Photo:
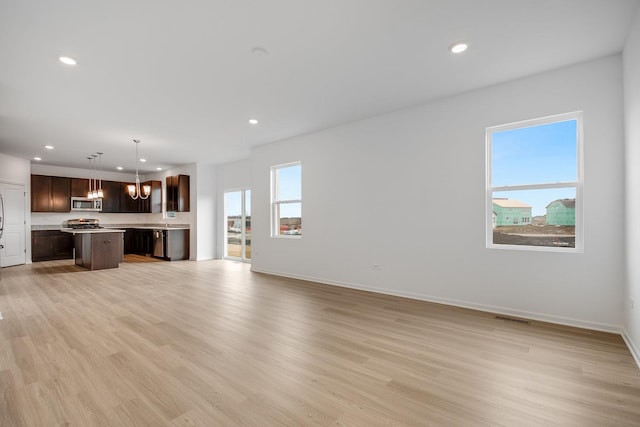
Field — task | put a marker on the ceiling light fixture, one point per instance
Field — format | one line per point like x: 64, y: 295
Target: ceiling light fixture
x: 37, y: 159
x: 90, y: 192
x: 66, y: 60
x: 253, y: 121
x: 458, y: 47
x: 94, y: 193
x: 259, y: 51
x: 98, y: 181
x: 95, y: 182
x: 134, y: 189
x: 49, y: 147
x: 158, y: 169
x: 119, y: 168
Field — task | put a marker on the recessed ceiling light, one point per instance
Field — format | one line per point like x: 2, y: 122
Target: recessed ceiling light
x: 67, y: 60
x: 49, y: 147
x: 119, y: 168
x: 458, y: 47
x: 259, y: 51
x: 158, y: 169
x: 253, y: 121
x: 37, y: 159
x: 143, y: 160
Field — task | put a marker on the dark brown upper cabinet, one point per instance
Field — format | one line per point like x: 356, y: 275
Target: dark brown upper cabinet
x: 153, y: 204
x: 53, y: 194
x: 113, y: 193
x: 178, y: 189
x: 50, y: 193
x: 117, y: 200
x: 79, y: 187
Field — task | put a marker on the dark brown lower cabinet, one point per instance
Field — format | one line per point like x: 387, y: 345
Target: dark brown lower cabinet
x: 48, y: 245
x: 138, y: 241
x: 97, y: 251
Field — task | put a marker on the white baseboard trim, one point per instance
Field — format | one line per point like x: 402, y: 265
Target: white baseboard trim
x: 565, y: 321
x: 635, y: 351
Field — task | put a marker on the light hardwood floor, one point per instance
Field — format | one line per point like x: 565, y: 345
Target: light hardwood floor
x: 212, y: 344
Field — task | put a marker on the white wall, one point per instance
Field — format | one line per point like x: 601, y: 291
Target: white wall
x: 632, y: 163
x: 14, y: 170
x: 230, y: 177
x: 206, y: 191
x: 380, y: 191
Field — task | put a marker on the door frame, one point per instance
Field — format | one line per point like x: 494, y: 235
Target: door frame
x: 23, y: 229
x: 243, y: 219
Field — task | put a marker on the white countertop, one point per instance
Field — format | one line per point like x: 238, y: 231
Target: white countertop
x: 147, y: 226
x: 158, y: 227
x: 91, y: 231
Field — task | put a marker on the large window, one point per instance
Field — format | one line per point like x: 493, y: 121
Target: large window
x: 534, y: 184
x: 286, y: 200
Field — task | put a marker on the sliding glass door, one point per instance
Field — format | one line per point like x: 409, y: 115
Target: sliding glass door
x: 237, y: 214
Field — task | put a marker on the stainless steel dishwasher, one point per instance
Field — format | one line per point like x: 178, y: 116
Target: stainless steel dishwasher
x: 159, y: 238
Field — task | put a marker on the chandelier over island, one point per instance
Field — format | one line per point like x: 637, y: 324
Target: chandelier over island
x: 134, y: 189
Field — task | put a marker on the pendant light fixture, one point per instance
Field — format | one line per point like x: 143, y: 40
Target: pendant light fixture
x: 99, y: 177
x: 93, y: 176
x: 90, y: 193
x: 95, y: 181
x: 134, y: 189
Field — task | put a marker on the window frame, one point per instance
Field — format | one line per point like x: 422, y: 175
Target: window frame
x: 276, y: 203
x: 578, y: 184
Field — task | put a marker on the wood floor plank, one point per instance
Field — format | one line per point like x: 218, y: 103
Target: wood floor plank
x: 211, y: 343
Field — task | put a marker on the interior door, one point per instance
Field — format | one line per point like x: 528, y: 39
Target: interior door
x: 13, y: 221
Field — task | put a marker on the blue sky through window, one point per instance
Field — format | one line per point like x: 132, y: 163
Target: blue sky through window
x: 540, y: 154
x: 290, y: 188
x: 233, y: 203
x: 290, y: 182
x: 535, y: 155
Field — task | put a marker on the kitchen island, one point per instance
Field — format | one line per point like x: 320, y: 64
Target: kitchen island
x: 164, y: 241
x: 99, y: 248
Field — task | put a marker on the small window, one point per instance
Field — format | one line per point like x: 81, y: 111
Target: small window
x: 534, y: 184
x: 286, y: 200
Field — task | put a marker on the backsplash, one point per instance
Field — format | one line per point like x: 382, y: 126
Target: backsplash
x: 42, y: 218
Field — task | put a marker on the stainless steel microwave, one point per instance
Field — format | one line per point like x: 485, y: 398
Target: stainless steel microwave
x: 86, y: 204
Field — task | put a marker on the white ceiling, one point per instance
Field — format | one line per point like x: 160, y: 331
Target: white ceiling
x: 180, y: 75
